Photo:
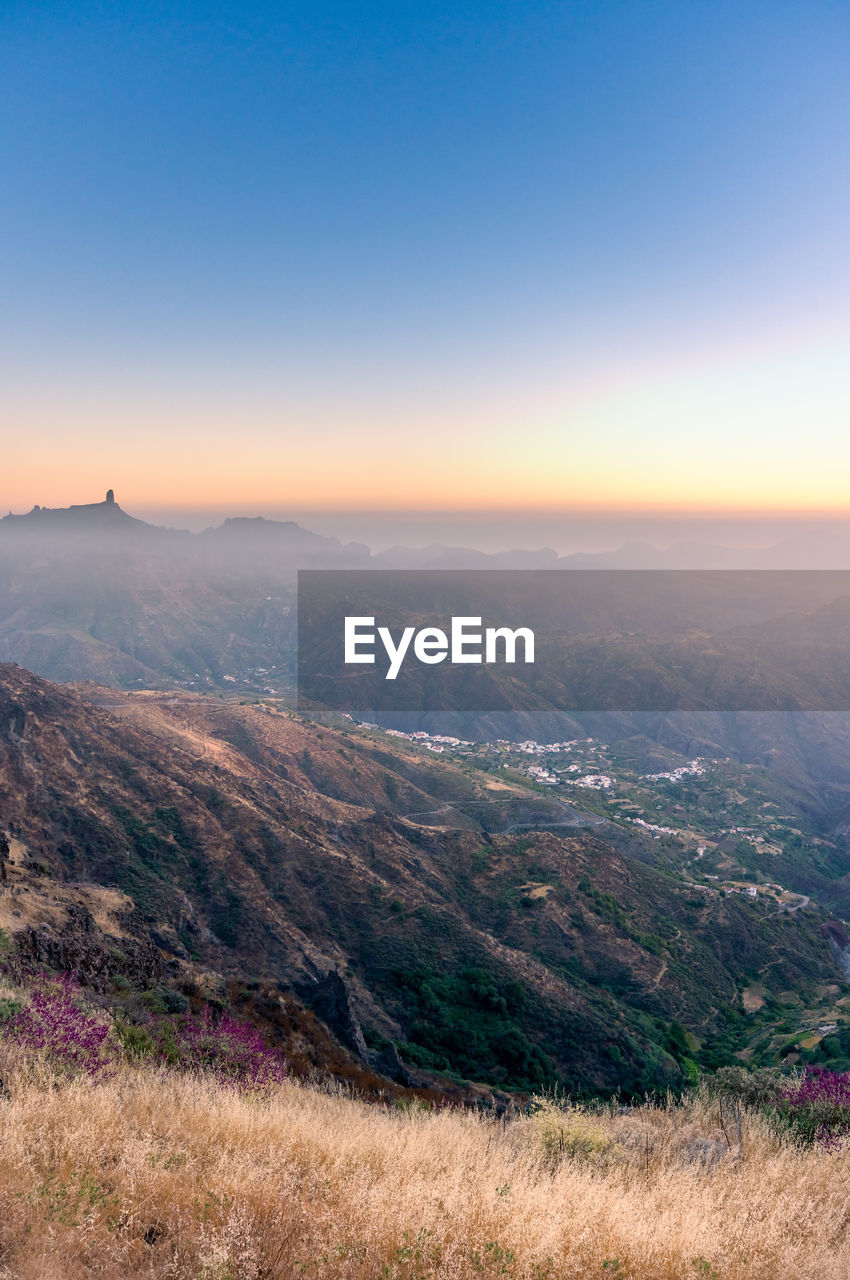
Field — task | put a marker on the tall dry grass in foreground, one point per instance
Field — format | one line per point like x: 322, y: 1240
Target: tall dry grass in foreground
x: 155, y: 1175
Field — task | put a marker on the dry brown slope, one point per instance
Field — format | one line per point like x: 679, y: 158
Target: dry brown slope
x: 264, y: 848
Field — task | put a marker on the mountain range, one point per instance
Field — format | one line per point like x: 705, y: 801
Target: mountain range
x: 825, y: 548
x: 90, y: 592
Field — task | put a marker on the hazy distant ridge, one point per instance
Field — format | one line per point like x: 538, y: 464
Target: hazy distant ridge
x: 289, y: 541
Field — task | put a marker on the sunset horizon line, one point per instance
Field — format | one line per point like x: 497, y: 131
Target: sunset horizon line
x: 566, y: 510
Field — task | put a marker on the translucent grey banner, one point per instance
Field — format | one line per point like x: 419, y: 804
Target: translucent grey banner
x: 574, y: 640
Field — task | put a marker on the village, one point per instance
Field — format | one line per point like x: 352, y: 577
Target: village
x: 691, y: 811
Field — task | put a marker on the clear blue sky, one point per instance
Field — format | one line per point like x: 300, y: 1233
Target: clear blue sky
x: 345, y: 251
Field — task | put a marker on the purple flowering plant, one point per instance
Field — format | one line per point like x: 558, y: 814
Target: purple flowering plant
x: 816, y: 1107
x: 233, y: 1051
x: 53, y: 1024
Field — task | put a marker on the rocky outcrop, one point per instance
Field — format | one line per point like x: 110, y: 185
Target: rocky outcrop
x: 388, y: 1063
x: 13, y: 719
x: 839, y: 945
x: 330, y: 999
x: 79, y: 947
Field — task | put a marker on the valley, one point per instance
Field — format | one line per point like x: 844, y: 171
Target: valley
x: 257, y: 850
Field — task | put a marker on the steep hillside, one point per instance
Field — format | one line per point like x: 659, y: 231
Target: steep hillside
x: 261, y: 848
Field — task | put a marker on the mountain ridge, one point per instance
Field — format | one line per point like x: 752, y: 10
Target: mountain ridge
x: 809, y: 549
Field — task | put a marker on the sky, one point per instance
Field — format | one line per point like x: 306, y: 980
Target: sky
x: 542, y: 256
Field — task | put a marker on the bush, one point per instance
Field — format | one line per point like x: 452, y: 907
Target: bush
x: 137, y: 1042
x: 9, y: 1007
x: 233, y: 1051
x: 562, y: 1130
x: 54, y: 1025
x: 816, y: 1108
x: 761, y: 1089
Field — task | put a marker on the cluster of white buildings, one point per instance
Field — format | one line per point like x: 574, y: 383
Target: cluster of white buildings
x: 433, y: 741
x: 694, y: 768
x: 539, y: 774
x: 745, y: 833
x: 532, y: 748
x: 654, y: 828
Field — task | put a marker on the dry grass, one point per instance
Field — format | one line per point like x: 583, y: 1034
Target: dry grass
x: 148, y: 1175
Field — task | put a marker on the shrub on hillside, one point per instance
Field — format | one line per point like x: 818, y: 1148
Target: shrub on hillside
x: 560, y: 1129
x: 233, y: 1051
x: 761, y: 1089
x: 816, y: 1108
x: 54, y: 1025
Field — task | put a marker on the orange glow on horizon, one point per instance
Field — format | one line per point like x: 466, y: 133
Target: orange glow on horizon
x: 742, y: 433
x: 323, y: 497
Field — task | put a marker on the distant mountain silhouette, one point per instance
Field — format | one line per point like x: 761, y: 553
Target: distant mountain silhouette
x: 437, y: 556
x: 90, y: 517
x: 828, y: 548
x: 237, y: 537
x: 256, y: 533
x: 90, y: 592
x: 255, y: 536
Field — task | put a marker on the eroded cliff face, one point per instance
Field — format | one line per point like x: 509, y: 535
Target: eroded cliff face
x: 839, y: 944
